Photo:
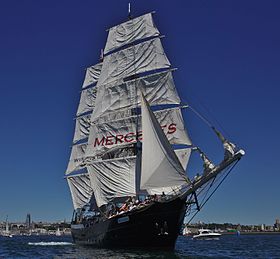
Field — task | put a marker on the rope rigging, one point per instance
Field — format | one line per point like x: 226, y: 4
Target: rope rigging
x: 211, y: 184
x: 207, y: 110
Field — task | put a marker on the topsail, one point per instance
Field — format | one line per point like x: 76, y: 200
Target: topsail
x: 159, y: 89
x: 136, y: 29
x: 142, y: 57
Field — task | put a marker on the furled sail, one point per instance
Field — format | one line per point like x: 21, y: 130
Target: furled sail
x: 92, y: 75
x: 112, y: 178
x: 158, y: 89
x: 107, y: 135
x: 80, y: 189
x: 160, y: 165
x: 139, y: 58
x: 136, y: 29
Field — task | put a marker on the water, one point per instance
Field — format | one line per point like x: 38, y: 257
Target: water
x: 229, y: 246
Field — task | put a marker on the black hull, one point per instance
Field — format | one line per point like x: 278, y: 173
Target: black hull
x: 157, y: 225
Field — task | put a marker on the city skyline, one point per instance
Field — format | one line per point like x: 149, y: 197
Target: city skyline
x: 227, y: 55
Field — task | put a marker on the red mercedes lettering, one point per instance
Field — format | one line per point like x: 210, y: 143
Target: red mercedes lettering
x: 129, y: 137
x: 119, y: 138
x: 97, y: 142
x: 109, y: 140
x: 171, y: 128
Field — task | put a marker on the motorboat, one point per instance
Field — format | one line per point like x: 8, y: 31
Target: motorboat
x: 206, y: 234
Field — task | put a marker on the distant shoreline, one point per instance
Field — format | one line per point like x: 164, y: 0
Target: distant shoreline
x: 252, y: 233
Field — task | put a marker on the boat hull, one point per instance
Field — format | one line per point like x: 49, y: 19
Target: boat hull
x: 157, y: 225
x: 207, y: 237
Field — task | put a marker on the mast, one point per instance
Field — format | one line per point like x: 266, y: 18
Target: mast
x: 7, y: 225
x: 129, y: 12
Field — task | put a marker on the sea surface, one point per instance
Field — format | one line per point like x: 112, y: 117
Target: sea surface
x: 229, y: 246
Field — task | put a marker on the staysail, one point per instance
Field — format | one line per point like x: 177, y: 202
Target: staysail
x: 160, y: 165
x: 183, y: 156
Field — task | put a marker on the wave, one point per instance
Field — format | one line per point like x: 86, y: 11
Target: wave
x: 50, y: 243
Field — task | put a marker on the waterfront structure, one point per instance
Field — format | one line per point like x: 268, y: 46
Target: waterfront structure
x: 28, y: 221
x: 277, y: 225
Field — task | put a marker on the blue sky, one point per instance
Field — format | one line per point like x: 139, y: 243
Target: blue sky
x: 227, y: 54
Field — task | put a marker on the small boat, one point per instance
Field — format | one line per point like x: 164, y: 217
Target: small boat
x: 58, y: 233
x: 206, y: 234
x: 186, y: 232
x: 7, y: 232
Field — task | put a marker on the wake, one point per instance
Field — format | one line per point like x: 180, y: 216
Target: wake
x: 49, y: 243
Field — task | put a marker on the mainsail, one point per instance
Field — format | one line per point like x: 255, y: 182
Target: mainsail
x: 105, y: 161
x: 112, y: 178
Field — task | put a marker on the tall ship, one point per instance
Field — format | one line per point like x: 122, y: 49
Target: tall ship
x: 127, y: 168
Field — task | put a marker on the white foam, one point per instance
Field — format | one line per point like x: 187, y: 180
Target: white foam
x: 50, y: 243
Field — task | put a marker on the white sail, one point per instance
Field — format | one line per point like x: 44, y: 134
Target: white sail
x: 158, y: 89
x: 138, y: 28
x: 87, y: 100
x: 172, y: 124
x: 80, y: 189
x: 160, y: 165
x: 77, y: 158
x: 183, y: 156
x: 112, y: 178
x: 82, y: 128
x: 92, y: 75
x: 7, y: 227
x: 143, y: 57
x: 114, y: 116
x: 107, y: 135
